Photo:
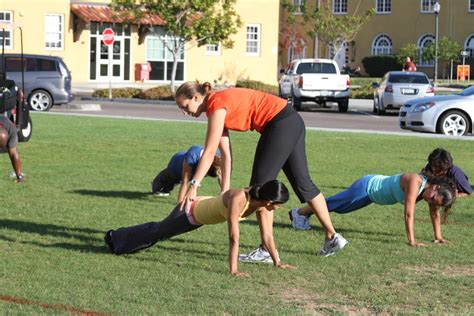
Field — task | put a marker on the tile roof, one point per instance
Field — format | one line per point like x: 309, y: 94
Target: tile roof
x: 103, y: 13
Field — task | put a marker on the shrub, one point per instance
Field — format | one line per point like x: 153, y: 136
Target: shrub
x: 157, y: 93
x: 363, y: 92
x: 257, y: 85
x: 377, y: 66
x: 120, y: 93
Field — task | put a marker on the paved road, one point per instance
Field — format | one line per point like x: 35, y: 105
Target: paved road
x: 359, y: 118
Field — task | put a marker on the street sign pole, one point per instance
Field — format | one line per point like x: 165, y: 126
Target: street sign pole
x: 108, y: 39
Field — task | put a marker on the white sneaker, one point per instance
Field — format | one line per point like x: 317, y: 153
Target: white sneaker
x: 161, y: 194
x: 299, y: 222
x: 258, y: 255
x: 336, y: 243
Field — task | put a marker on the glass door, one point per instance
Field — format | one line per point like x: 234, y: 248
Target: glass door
x: 116, y: 52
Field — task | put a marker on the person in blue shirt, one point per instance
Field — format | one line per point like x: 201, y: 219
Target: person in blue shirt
x: 407, y: 189
x: 181, y: 169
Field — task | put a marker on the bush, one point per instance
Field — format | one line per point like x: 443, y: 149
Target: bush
x: 120, y: 93
x: 377, y: 66
x: 157, y: 93
x: 364, y: 92
x: 257, y: 85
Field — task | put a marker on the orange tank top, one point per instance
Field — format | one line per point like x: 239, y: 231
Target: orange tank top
x: 247, y: 109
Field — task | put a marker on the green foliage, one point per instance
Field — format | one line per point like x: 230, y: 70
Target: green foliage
x: 257, y: 85
x: 157, y: 93
x: 377, y: 66
x: 407, y: 50
x: 363, y: 92
x: 120, y: 93
x: 448, y: 50
x: 86, y: 175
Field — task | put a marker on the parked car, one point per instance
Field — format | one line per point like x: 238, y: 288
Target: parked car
x: 449, y: 114
x: 397, y: 87
x: 47, y: 79
x: 317, y: 80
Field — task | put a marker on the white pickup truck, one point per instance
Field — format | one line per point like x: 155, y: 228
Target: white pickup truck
x: 317, y: 80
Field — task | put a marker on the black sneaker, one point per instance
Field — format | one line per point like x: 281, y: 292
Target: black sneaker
x: 108, y: 240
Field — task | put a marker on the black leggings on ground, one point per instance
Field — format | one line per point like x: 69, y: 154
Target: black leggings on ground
x: 282, y: 146
x: 134, y: 238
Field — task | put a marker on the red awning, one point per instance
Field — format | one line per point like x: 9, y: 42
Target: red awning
x: 103, y: 13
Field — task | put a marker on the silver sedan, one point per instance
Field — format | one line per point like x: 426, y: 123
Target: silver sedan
x: 397, y: 87
x: 450, y: 114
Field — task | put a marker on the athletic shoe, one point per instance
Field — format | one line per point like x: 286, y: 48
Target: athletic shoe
x: 299, y: 222
x: 258, y: 255
x: 108, y: 240
x: 161, y: 194
x: 336, y: 243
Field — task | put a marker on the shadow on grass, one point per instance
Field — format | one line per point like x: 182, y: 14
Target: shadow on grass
x: 131, y: 195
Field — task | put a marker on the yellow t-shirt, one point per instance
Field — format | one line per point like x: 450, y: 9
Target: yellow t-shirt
x: 212, y: 210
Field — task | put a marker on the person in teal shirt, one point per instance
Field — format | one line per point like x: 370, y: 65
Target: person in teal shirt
x: 406, y: 189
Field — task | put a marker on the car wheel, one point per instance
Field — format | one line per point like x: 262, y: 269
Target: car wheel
x: 379, y: 110
x: 296, y: 102
x: 343, y: 105
x: 374, y: 109
x: 453, y: 123
x: 40, y: 100
x: 24, y: 135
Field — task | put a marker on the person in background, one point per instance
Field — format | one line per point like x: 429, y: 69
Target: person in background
x: 181, y: 169
x: 409, y: 65
x: 8, y: 143
x: 230, y: 207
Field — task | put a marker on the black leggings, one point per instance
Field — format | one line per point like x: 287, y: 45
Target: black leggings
x: 134, y: 238
x: 282, y: 146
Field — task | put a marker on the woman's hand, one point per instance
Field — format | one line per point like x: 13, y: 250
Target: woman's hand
x: 441, y: 241
x: 285, y: 266
x: 240, y: 274
x: 189, y: 197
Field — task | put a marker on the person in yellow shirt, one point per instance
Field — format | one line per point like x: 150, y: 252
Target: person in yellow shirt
x: 231, y: 207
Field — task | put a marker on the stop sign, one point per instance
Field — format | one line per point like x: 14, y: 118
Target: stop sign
x: 108, y: 36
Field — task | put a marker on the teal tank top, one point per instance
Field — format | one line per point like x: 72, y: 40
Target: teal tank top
x: 386, y: 190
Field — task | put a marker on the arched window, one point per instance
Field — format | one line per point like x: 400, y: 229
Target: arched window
x: 469, y: 45
x: 382, y: 45
x: 425, y: 41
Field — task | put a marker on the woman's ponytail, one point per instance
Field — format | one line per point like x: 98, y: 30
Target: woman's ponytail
x: 274, y: 191
x: 188, y: 89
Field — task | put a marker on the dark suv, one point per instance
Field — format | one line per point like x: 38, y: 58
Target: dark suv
x: 47, y: 79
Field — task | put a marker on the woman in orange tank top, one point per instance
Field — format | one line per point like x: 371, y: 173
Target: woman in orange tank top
x: 281, y: 146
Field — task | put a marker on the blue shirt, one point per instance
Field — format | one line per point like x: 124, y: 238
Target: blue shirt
x: 191, y: 156
x: 386, y: 190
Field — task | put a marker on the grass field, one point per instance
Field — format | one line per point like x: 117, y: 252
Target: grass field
x: 88, y: 175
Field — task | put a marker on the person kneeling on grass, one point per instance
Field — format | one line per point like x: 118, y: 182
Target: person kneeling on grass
x: 181, y: 169
x: 232, y: 206
x: 407, y: 189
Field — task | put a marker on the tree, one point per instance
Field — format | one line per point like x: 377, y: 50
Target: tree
x: 294, y: 29
x: 187, y: 22
x: 407, y: 50
x: 448, y: 51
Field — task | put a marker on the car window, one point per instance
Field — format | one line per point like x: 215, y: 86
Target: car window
x: 408, y: 79
x: 13, y: 64
x: 46, y: 64
x: 316, y: 68
x: 467, y: 92
x: 63, y: 68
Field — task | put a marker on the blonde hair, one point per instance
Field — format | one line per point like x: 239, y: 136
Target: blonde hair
x: 188, y: 89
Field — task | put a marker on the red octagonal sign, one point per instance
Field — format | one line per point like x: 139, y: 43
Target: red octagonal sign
x: 108, y: 36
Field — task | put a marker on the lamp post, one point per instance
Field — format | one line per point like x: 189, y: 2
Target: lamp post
x: 436, y: 9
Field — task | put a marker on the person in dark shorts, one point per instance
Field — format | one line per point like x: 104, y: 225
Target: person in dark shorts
x: 8, y: 143
x: 281, y: 147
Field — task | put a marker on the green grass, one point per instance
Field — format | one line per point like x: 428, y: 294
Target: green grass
x: 87, y: 175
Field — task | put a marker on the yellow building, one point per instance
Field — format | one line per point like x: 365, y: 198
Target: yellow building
x: 395, y: 23
x: 73, y: 30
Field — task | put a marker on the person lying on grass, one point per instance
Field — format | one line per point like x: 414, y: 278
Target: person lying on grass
x: 231, y: 206
x: 407, y: 189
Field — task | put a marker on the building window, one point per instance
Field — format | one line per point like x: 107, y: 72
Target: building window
x: 213, y: 50
x: 297, y: 5
x: 6, y: 17
x: 469, y: 46
x: 471, y: 6
x: 54, y: 31
x: 339, y: 6
x: 382, y: 45
x: 384, y: 6
x: 427, y: 6
x: 253, y: 40
x: 161, y: 59
x: 424, y: 42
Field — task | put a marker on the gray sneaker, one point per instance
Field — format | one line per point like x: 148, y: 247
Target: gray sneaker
x: 299, y: 222
x: 258, y: 255
x: 336, y: 243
